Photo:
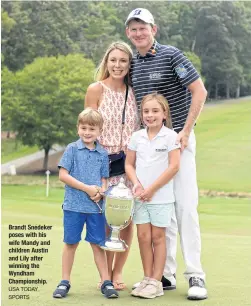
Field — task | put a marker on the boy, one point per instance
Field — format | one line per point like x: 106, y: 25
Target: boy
x: 84, y: 168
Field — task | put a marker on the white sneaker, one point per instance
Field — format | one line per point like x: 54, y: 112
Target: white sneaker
x: 152, y: 290
x: 139, y: 286
x: 197, y: 290
x: 136, y: 285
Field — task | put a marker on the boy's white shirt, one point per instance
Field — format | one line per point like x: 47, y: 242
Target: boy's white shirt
x: 152, y: 160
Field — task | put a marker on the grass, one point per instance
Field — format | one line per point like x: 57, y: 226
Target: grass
x: 223, y: 163
x: 225, y: 227
x: 224, y: 147
x: 12, y: 149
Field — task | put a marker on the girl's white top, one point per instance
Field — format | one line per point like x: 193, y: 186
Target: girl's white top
x: 152, y: 160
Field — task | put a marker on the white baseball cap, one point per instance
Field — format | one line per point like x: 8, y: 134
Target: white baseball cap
x: 142, y: 14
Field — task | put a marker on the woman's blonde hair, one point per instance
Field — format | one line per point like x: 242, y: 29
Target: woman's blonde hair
x: 90, y: 116
x: 162, y: 102
x: 102, y: 71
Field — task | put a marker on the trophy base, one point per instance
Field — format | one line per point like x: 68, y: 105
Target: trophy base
x: 114, y: 246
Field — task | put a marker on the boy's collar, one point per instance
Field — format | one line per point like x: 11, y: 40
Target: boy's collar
x: 81, y: 145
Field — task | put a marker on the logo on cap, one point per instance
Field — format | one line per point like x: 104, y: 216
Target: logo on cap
x: 136, y: 12
x: 142, y: 14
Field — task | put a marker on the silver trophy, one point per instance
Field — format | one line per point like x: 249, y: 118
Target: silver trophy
x: 119, y: 205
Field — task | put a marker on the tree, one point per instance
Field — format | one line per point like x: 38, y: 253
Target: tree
x: 217, y: 46
x: 48, y: 95
x: 7, y: 95
x: 41, y: 29
x: 194, y: 59
x: 95, y: 27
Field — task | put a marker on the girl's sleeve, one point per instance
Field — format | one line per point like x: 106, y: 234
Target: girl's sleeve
x: 171, y: 139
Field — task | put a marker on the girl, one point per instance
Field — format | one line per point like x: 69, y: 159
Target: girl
x: 107, y: 95
x: 152, y: 161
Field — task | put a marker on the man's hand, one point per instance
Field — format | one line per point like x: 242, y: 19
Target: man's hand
x: 182, y: 138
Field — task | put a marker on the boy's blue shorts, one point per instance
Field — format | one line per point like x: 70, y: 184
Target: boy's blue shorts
x: 74, y: 223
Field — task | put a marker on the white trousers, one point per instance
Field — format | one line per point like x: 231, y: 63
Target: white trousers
x: 185, y: 218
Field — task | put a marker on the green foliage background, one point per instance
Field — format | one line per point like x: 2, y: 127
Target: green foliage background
x: 50, y: 50
x: 218, y: 32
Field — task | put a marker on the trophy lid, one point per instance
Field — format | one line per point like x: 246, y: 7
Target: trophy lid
x: 120, y: 191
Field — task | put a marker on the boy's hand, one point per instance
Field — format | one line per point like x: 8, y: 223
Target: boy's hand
x: 102, y: 191
x: 96, y: 198
x: 92, y: 190
x: 146, y: 195
x: 137, y: 190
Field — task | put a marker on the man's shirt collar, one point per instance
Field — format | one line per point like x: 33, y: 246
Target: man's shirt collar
x: 152, y: 51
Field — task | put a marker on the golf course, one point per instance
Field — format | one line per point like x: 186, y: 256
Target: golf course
x: 224, y: 176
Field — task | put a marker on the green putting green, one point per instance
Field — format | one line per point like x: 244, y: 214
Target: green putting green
x: 225, y: 227
x: 224, y: 147
x: 223, y: 164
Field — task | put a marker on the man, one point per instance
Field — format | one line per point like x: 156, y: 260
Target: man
x: 165, y: 69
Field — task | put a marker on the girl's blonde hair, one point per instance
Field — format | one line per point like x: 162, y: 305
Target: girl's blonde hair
x: 162, y: 102
x: 90, y: 116
x: 102, y: 71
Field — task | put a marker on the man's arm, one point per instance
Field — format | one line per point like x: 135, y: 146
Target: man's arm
x: 199, y: 94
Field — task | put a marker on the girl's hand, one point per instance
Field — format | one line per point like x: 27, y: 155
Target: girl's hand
x: 147, y: 195
x: 137, y: 190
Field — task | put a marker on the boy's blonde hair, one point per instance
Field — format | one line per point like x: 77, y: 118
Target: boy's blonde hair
x: 162, y: 102
x: 90, y: 116
x: 102, y: 72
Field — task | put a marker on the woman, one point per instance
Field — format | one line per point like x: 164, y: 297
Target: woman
x: 107, y: 95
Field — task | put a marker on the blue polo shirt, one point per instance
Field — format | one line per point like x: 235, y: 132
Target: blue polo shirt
x: 87, y: 166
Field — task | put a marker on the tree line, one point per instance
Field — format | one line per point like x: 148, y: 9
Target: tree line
x: 50, y: 50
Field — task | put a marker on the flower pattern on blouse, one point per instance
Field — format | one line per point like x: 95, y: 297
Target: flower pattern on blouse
x: 112, y: 138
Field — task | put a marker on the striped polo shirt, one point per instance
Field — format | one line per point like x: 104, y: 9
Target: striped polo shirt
x: 164, y: 69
